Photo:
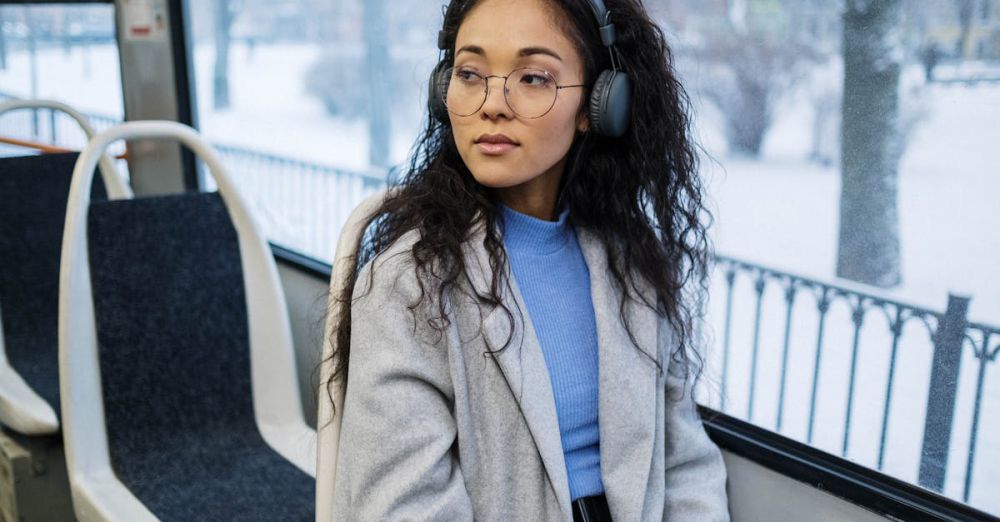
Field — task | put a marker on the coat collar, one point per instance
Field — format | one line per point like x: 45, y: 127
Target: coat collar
x: 628, y: 378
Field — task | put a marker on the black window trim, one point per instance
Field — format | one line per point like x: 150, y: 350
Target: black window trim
x: 301, y: 262
x: 181, y: 49
x: 860, y: 485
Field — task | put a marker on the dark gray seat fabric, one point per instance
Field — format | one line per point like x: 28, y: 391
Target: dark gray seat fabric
x: 33, y: 195
x: 175, y: 363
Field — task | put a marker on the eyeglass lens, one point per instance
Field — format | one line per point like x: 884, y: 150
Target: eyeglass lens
x: 530, y: 93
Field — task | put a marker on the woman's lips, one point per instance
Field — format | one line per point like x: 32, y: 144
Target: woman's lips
x: 495, y: 149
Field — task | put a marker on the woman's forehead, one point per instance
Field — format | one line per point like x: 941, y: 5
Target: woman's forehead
x: 508, y: 30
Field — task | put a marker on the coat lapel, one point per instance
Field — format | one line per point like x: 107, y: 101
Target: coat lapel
x: 523, y: 367
x: 628, y: 386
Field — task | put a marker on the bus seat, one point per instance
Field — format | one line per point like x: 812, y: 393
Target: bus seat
x: 332, y: 402
x: 33, y: 192
x: 179, y: 391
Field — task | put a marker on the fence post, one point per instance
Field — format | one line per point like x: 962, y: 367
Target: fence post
x: 948, y: 340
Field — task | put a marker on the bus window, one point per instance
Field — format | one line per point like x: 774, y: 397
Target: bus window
x: 853, y: 304
x: 851, y: 162
x: 65, y: 53
x: 286, y: 91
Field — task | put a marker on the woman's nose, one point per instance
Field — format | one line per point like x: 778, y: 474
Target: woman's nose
x: 496, y: 102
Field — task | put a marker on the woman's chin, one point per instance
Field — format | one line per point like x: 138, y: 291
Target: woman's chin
x: 497, y: 178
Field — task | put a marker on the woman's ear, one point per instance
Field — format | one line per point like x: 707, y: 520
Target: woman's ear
x: 583, y: 122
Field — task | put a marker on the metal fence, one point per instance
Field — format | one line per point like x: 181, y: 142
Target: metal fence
x: 50, y: 127
x: 949, y: 332
x: 300, y: 205
x: 54, y: 128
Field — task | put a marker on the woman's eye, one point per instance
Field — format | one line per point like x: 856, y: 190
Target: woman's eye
x: 467, y: 76
x: 535, y: 80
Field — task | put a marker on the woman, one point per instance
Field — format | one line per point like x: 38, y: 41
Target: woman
x: 519, y: 345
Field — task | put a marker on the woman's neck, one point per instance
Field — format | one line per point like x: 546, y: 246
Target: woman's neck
x: 537, y: 197
x: 535, y: 207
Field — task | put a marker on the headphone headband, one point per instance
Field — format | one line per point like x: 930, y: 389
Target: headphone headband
x: 601, y: 13
x: 607, y: 29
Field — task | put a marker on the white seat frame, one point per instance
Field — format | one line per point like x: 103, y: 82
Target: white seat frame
x: 98, y: 494
x: 328, y: 425
x: 21, y: 408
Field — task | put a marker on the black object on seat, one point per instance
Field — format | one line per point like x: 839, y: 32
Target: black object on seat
x: 33, y: 195
x: 171, y: 319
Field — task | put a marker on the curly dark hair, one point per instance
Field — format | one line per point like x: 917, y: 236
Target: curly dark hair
x: 640, y: 193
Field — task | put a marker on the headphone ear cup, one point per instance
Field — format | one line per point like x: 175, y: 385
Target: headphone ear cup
x: 597, y: 98
x: 435, y: 103
x: 610, y: 103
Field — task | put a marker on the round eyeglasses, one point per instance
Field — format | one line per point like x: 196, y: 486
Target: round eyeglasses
x: 530, y: 93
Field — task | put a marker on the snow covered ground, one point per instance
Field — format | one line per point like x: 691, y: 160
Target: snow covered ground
x: 780, y: 211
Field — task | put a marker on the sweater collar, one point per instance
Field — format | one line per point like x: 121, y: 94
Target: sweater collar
x: 524, y: 234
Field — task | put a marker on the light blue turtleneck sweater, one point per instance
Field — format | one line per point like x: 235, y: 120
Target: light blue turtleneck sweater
x: 552, y: 275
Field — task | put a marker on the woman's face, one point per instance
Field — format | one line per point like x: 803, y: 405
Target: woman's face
x: 496, y: 37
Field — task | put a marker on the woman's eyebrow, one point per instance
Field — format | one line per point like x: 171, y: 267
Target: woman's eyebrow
x: 527, y: 51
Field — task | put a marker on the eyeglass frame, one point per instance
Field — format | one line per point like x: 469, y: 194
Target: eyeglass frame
x: 486, y: 91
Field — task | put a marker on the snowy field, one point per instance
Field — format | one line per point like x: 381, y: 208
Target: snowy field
x: 780, y: 211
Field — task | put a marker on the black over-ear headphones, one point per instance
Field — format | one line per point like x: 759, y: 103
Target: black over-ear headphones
x: 610, y: 97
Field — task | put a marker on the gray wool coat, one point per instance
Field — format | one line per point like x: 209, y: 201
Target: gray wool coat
x: 434, y: 429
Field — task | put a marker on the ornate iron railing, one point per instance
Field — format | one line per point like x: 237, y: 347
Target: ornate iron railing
x: 949, y: 331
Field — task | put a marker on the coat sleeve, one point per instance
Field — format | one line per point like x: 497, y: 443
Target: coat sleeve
x: 395, y: 457
x: 695, y: 471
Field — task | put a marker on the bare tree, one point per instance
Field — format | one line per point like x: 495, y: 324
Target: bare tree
x: 224, y: 16
x: 825, y: 98
x: 871, y: 145
x: 746, y: 75
x: 3, y: 43
x: 965, y: 9
x: 749, y: 55
x: 377, y: 67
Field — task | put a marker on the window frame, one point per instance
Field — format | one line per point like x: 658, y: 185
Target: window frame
x: 187, y: 111
x: 301, y: 262
x: 855, y: 483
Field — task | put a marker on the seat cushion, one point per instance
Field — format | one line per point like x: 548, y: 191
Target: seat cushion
x: 33, y: 195
x: 175, y: 364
